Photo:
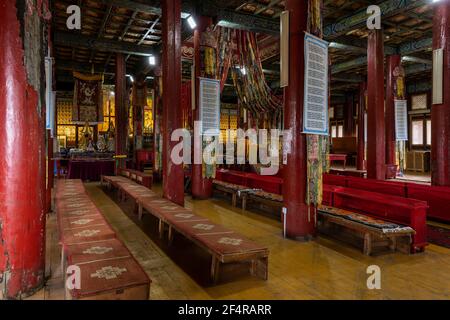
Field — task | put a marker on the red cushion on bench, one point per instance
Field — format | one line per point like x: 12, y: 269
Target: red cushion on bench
x: 107, y: 279
x: 96, y: 250
x: 438, y: 199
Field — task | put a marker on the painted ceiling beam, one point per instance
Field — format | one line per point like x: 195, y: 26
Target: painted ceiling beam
x: 348, y: 65
x: 69, y: 66
x: 388, y: 8
x: 417, y: 60
x: 416, y: 46
x: 147, y: 8
x: 418, y: 87
x: 74, y: 40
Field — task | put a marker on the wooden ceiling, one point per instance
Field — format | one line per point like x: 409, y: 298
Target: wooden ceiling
x: 134, y: 28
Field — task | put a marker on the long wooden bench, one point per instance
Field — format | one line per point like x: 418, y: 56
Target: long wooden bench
x: 224, y: 245
x: 438, y: 198
x: 395, y: 209
x: 108, y: 270
x: 375, y: 233
x: 137, y: 176
x: 228, y: 188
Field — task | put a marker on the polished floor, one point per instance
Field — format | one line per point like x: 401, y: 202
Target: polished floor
x: 321, y: 269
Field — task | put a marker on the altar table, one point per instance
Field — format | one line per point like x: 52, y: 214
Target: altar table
x: 90, y: 169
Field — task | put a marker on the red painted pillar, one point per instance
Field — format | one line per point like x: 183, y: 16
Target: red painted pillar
x: 348, y: 115
x: 298, y: 225
x: 440, y: 113
x: 157, y: 115
x: 201, y: 187
x: 173, y: 174
x: 22, y: 222
x: 121, y: 107
x: 376, y: 168
x: 50, y: 174
x: 394, y: 65
x: 360, y: 160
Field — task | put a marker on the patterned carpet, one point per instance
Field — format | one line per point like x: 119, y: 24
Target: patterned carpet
x: 439, y: 236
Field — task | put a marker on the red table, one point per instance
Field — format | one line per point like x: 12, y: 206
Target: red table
x: 339, y: 157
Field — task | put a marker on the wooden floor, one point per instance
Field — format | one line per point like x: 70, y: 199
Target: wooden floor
x: 321, y: 269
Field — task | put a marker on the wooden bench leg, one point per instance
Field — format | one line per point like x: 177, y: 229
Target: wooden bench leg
x: 140, y: 211
x: 170, y: 236
x: 393, y: 245
x: 260, y: 268
x: 367, y: 244
x: 215, y: 266
x: 234, y: 199
x: 161, y: 229
x: 244, y: 202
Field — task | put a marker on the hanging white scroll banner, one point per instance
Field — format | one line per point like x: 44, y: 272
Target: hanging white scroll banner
x: 315, y: 107
x: 401, y: 120
x: 210, y: 107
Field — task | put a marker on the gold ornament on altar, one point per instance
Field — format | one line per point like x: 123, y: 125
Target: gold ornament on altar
x: 86, y: 143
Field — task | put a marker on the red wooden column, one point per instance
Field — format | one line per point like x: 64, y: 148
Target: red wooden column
x: 22, y: 222
x: 294, y: 188
x: 348, y: 115
x: 376, y: 168
x: 394, y: 63
x: 173, y: 175
x: 440, y: 113
x: 120, y: 104
x: 360, y: 160
x: 157, y: 115
x: 121, y: 107
x: 201, y: 187
x: 50, y: 169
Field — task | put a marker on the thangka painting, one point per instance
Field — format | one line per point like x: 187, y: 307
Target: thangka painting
x: 87, y: 99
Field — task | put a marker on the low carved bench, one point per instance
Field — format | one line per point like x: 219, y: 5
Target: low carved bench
x: 108, y: 270
x: 224, y: 245
x: 374, y: 232
x: 229, y: 188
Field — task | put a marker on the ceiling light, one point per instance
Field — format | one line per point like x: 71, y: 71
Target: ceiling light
x: 131, y: 78
x: 192, y: 22
x: 152, y: 60
x: 243, y: 71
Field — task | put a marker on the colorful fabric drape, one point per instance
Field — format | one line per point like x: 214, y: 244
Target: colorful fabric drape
x: 87, y: 99
x: 253, y: 91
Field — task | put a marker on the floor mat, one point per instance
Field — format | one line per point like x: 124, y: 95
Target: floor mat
x: 439, y: 236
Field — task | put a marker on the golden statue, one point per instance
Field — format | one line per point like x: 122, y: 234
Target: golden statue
x: 86, y: 138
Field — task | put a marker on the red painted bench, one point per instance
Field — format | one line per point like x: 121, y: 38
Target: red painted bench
x: 266, y: 183
x: 438, y: 199
x: 399, y: 210
x: 385, y: 187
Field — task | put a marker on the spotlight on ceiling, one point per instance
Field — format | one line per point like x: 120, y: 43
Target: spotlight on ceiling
x: 192, y: 22
x: 131, y: 78
x: 243, y: 71
x: 434, y: 1
x: 152, y: 60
